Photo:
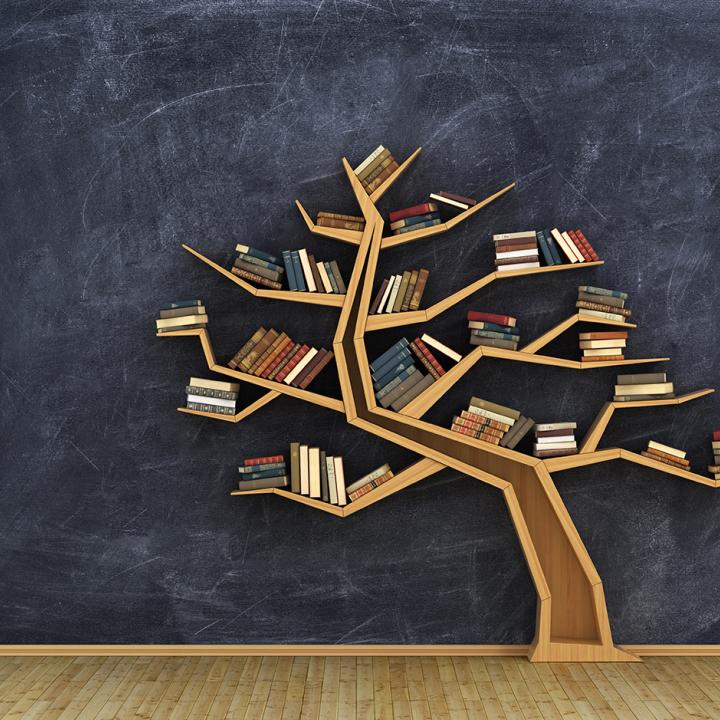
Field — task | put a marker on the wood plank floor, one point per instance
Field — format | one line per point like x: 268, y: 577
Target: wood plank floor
x: 410, y: 688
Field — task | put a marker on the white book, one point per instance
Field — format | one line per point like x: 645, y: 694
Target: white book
x: 573, y: 247
x: 440, y: 198
x: 444, y: 349
x: 393, y: 294
x: 304, y: 471
x: 667, y: 449
x: 604, y: 315
x: 368, y: 159
x: 516, y: 235
x: 214, y: 384
x: 314, y: 472
x: 205, y: 400
x: 324, y: 277
x: 644, y: 389
x: 555, y: 446
x: 386, y: 294
x: 595, y: 344
x: 515, y: 253
x: 182, y: 320
x: 332, y: 488
x: 560, y: 240
x: 556, y: 426
x: 555, y: 438
x: 340, y: 481
x: 602, y: 352
x: 517, y: 266
x: 311, y: 353
x: 307, y: 272
x: 475, y: 410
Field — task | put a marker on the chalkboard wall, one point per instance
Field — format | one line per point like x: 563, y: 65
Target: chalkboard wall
x: 128, y: 128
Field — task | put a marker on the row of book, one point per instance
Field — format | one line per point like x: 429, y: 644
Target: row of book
x: 181, y: 315
x: 340, y: 221
x: 275, y: 356
x: 643, y: 386
x: 521, y: 250
x: 493, y: 423
x: 396, y: 377
x: 714, y: 469
x: 261, y: 473
x: 427, y: 214
x: 400, y: 293
x: 666, y: 454
x: 377, y: 167
x: 603, y: 303
x: 555, y: 439
x: 212, y: 396
x: 603, y: 346
x: 493, y: 330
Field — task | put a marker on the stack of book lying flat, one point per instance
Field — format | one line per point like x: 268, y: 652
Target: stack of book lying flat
x: 369, y: 482
x: 375, y: 169
x: 399, y: 293
x: 493, y: 423
x: 275, y: 356
x: 493, y: 330
x: 666, y: 454
x: 603, y: 346
x: 456, y: 202
x: 602, y: 303
x: 555, y: 439
x: 181, y: 315
x: 258, y: 266
x: 416, y: 217
x: 305, y: 274
x: 340, y: 221
x: 714, y: 469
x: 643, y: 386
x: 212, y: 396
x: 568, y: 246
x: 516, y: 251
x: 261, y: 473
x: 316, y: 474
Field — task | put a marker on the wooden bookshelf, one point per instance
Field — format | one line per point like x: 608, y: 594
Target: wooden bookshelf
x: 572, y: 619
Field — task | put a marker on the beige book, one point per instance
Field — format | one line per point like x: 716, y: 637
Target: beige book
x: 560, y: 240
x: 179, y: 321
x: 182, y: 312
x: 666, y: 448
x: 475, y: 410
x: 340, y: 482
x: 601, y: 314
x: 324, y: 277
x: 401, y: 292
x: 449, y: 201
x: 440, y: 347
x: 516, y: 253
x: 304, y: 471
x: 495, y: 407
x: 386, y: 294
x: 555, y: 426
x: 573, y: 247
x: 393, y: 294
x: 594, y: 344
x: 307, y: 271
x: 603, y: 352
x: 515, y: 235
x: 314, y: 472
x: 644, y: 389
x: 300, y: 366
x: 368, y: 159
x: 214, y: 384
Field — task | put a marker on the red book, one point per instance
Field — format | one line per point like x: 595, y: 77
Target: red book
x: 414, y: 210
x: 430, y: 357
x: 716, y: 435
x: 579, y: 245
x: 278, y: 359
x: 475, y: 315
x: 299, y: 355
x: 264, y: 460
x: 587, y: 245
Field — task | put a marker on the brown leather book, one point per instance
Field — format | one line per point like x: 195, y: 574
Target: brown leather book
x: 296, y: 358
x: 258, y: 270
x: 316, y: 370
x: 319, y: 355
x: 426, y: 363
x: 340, y: 224
x: 284, y: 361
x: 370, y: 169
x: 458, y: 198
x: 514, y: 260
x: 275, y: 361
x: 268, y: 351
x: 610, y: 335
x: 555, y: 453
x: 247, y: 362
x: 663, y: 459
x: 378, y: 297
x: 419, y: 289
x: 409, y: 292
x: 401, y: 291
x: 380, y: 179
x: 257, y: 279
x: 507, y: 246
x: 275, y: 349
x: 602, y: 358
x: 247, y: 347
x: 338, y: 277
x: 603, y: 308
x: 340, y: 216
x: 674, y: 458
x: 316, y: 274
x: 553, y: 433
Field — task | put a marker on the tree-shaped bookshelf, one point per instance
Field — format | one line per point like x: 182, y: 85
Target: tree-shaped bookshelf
x: 572, y: 620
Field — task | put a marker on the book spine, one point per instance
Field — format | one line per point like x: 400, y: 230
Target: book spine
x: 260, y: 362
x: 401, y: 292
x: 204, y: 407
x: 258, y: 263
x: 626, y: 312
x: 307, y: 271
x: 380, y: 179
x: 319, y: 285
x: 414, y: 220
x: 264, y: 460
x: 366, y: 162
x: 412, y: 393
x: 262, y: 474
x: 581, y: 248
x: 259, y: 279
x: 383, y: 380
x: 295, y: 467
x: 299, y: 366
x: 329, y: 355
x: 210, y: 392
x: 322, y: 272
x: 370, y: 163
x: 563, y: 245
x: 290, y: 366
x: 390, y: 363
x: 491, y: 317
x: 593, y: 255
x: 545, y: 250
x: 249, y: 360
x: 382, y: 392
x: 665, y: 460
x: 339, y: 224
x: 258, y: 270
x: 289, y: 270
x: 302, y: 375
x: 297, y: 268
x: 331, y: 277
x: 246, y: 470
x: 378, y: 297
x: 277, y: 347
x: 374, y: 475
x: 264, y: 483
x: 247, y: 347
x: 256, y: 253
x: 422, y: 279
x: 405, y: 304
x: 340, y: 216
x: 439, y: 369
x: 552, y: 246
x: 376, y: 168
x: 365, y: 489
x: 279, y: 363
x: 388, y: 354
x: 667, y: 456
x: 602, y: 291
x: 388, y: 399
x: 419, y: 226
x: 494, y: 424
x: 425, y: 362
x: 324, y: 491
x: 338, y: 277
x: 414, y: 210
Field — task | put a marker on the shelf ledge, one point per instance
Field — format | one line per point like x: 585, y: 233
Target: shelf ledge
x: 352, y: 237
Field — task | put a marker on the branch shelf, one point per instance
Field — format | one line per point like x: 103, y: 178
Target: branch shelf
x: 348, y: 236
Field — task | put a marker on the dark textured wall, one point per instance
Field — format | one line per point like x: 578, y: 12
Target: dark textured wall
x: 127, y: 128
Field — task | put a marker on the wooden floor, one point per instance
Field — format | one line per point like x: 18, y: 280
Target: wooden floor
x: 364, y: 687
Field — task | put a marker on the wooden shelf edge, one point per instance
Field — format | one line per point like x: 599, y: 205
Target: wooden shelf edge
x: 670, y: 469
x: 589, y: 458
x: 384, y: 321
x: 379, y: 192
x: 351, y: 237
x: 520, y: 356
x: 679, y: 400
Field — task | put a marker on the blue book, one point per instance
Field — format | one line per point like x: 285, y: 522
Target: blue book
x: 181, y: 304
x: 256, y: 253
x: 396, y: 370
x: 418, y: 226
x: 415, y: 219
x: 496, y: 335
x: 331, y: 277
x: 544, y: 249
x: 498, y: 328
x: 245, y: 469
x: 289, y: 271
x: 399, y: 345
x: 602, y: 291
x: 404, y: 375
x: 557, y: 260
x: 297, y: 267
x: 261, y: 474
x: 260, y: 263
x: 394, y: 360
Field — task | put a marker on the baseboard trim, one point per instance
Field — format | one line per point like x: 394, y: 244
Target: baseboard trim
x: 325, y: 650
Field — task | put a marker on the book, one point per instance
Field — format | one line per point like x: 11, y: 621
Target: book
x: 332, y: 485
x: 247, y: 347
x: 665, y: 460
x: 307, y: 270
x: 573, y: 248
x: 260, y: 474
x: 405, y: 279
x: 555, y: 453
x: 388, y: 354
x: 593, y: 344
x: 378, y: 472
x: 518, y: 431
x: 449, y: 201
x: 604, y: 299
x: 477, y: 316
x: 246, y: 470
x: 542, y: 440
x: 386, y: 294
x: 496, y: 334
x: 425, y: 361
x: 263, y: 459
x: 390, y: 363
x: 483, y: 424
x: 386, y: 171
x: 644, y: 389
x: 255, y: 262
x: 382, y: 159
x: 501, y: 427
x: 414, y: 220
x: 440, y: 347
x: 324, y: 361
x: 602, y: 352
x: 423, y: 348
x: 418, y: 226
x: 633, y: 398
x: 495, y: 407
x: 492, y: 415
x: 257, y: 350
x: 659, y: 453
x: 190, y: 304
x: 517, y: 266
x: 556, y: 426
x: 523, y: 234
x: 340, y: 224
x: 610, y: 335
x: 296, y: 382
x: 405, y: 305
x: 479, y: 325
x: 419, y: 289
x: 262, y: 361
x: 257, y: 279
x: 214, y: 384
x: 520, y: 252
x: 562, y: 244
x: 314, y: 472
x: 602, y: 291
x: 605, y: 315
x: 174, y: 322
x: 393, y: 294
x: 341, y: 216
x: 278, y: 353
x: 292, y: 363
x: 298, y: 367
x: 277, y: 365
x: 389, y: 398
x: 324, y: 277
x: 640, y: 378
x: 392, y: 372
x: 376, y: 302
x: 593, y: 255
x: 395, y: 382
x: 295, y: 467
x: 579, y: 246
x: 289, y: 269
x: 209, y: 392
x: 603, y: 358
x: 368, y: 159
x: 315, y: 273
x: 458, y: 198
x: 206, y: 407
x: 338, y: 277
x: 183, y: 312
x: 214, y: 401
x: 304, y: 471
x: 421, y: 209
x: 545, y: 249
x: 247, y: 250
x: 552, y: 246
x: 400, y: 402
x: 625, y: 312
x: 331, y: 277
x: 555, y: 446
x: 652, y: 444
x: 340, y: 481
x: 298, y: 271
x: 371, y: 486
x: 324, y: 490
x: 493, y: 342
x: 278, y: 481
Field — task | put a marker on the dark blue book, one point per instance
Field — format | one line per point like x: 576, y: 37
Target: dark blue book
x: 495, y: 334
x: 415, y: 219
x: 257, y: 253
x: 391, y: 362
x: 544, y: 249
x: 297, y: 267
x: 331, y: 277
x: 245, y: 469
x: 181, y: 304
x: 387, y: 355
x: 404, y: 375
x: 393, y: 372
x: 498, y: 328
x: 289, y: 270
x: 417, y: 226
x: 557, y: 260
x: 261, y: 474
